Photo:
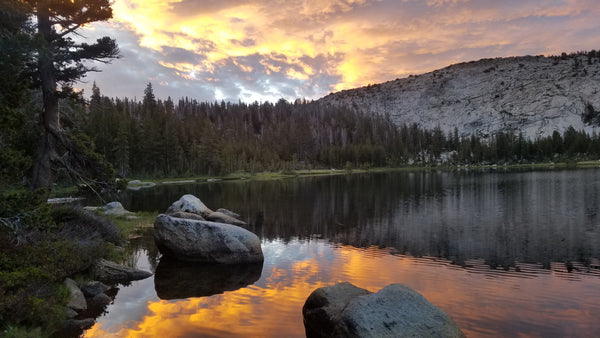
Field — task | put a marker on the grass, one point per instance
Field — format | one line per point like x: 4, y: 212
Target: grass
x: 128, y: 226
x: 286, y: 174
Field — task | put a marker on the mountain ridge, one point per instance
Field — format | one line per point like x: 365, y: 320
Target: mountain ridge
x: 532, y: 95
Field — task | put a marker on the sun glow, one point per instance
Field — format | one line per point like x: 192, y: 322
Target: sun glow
x: 340, y: 44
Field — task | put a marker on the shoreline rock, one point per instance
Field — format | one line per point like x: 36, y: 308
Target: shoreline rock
x: 344, y: 310
x: 110, y: 272
x: 206, y: 242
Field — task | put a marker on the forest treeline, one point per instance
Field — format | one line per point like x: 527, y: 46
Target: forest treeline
x: 153, y: 137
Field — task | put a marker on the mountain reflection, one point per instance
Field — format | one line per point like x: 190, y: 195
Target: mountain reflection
x: 177, y: 280
x: 502, y: 218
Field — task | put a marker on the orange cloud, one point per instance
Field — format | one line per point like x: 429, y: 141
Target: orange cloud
x: 357, y: 41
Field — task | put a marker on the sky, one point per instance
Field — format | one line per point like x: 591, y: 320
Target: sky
x: 253, y: 50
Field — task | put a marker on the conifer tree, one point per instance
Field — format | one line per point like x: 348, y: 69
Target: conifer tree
x: 60, y: 62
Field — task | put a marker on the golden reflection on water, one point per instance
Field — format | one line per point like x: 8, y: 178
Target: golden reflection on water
x: 483, y: 302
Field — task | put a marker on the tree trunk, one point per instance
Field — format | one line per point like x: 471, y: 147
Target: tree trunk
x: 42, y: 176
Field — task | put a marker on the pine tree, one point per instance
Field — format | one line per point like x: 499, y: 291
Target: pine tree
x: 61, y: 61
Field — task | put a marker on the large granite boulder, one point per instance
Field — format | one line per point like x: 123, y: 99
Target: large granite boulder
x: 207, y: 242
x: 344, y: 310
x: 190, y: 204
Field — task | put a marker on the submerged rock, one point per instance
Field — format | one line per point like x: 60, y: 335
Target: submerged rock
x: 177, y: 280
x: 191, y: 204
x: 207, y: 242
x: 343, y: 310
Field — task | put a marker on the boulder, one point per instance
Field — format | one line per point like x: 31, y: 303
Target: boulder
x: 115, y: 209
x: 224, y: 218
x: 93, y: 288
x: 187, y: 215
x: 191, y: 204
x: 100, y: 300
x: 206, y: 242
x: 138, y: 185
x: 75, y: 327
x: 70, y: 313
x: 77, y: 301
x: 394, y: 311
x: 324, y: 306
x: 111, y: 272
x: 228, y: 212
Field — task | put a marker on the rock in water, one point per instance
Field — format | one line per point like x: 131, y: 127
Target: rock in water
x: 343, y: 310
x: 111, y: 272
x: 324, y: 306
x: 207, y: 242
x: 191, y: 204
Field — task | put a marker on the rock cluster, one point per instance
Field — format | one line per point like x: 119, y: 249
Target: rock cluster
x: 344, y: 310
x: 90, y: 301
x: 190, y: 231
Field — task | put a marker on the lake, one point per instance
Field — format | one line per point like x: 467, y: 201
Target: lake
x: 504, y: 253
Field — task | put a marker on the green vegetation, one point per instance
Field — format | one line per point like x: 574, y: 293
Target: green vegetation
x: 41, y: 246
x: 155, y: 138
x: 49, y: 135
x: 128, y: 226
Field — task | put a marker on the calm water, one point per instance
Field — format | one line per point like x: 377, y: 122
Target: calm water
x: 504, y: 253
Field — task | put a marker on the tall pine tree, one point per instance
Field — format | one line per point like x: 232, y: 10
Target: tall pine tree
x: 60, y: 61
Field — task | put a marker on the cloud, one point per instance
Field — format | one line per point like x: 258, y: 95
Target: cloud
x: 242, y: 49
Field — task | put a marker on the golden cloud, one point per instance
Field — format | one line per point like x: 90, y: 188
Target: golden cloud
x: 364, y: 41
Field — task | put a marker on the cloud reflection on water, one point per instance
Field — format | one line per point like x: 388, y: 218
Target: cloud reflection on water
x: 483, y: 301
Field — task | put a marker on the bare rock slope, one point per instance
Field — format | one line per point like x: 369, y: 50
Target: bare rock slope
x: 535, y: 95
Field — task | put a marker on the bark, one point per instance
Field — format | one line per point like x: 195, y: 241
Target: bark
x: 42, y: 176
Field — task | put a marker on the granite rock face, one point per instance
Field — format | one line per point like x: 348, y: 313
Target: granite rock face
x: 535, y: 95
x: 344, y: 310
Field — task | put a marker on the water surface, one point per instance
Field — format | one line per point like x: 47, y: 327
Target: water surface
x: 503, y: 253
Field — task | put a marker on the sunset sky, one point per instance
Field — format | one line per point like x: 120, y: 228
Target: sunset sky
x: 266, y: 50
